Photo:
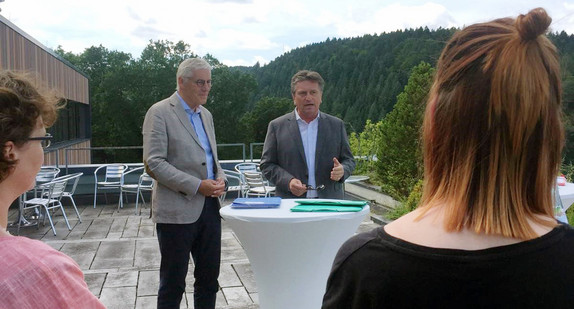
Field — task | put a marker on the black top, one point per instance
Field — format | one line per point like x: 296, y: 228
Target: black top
x: 377, y: 270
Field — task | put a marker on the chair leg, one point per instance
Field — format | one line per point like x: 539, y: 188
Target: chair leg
x: 143, y: 202
x: 49, y: 218
x: 138, y: 193
x: 75, y: 208
x: 20, y: 214
x: 121, y: 201
x: 65, y: 217
x: 95, y: 194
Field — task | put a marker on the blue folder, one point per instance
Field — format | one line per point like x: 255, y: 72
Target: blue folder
x: 256, y: 203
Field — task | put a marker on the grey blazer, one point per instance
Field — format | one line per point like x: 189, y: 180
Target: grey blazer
x: 174, y: 157
x: 283, y: 155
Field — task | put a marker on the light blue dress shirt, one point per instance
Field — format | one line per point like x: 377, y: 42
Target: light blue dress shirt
x: 309, y: 137
x: 197, y: 124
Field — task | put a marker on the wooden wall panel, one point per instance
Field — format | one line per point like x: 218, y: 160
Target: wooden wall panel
x: 20, y: 52
x: 58, y: 157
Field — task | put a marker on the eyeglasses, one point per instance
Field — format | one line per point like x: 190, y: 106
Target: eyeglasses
x: 321, y: 187
x: 202, y: 82
x: 45, y: 140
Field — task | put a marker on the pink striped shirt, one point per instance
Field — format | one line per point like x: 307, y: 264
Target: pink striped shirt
x: 34, y: 275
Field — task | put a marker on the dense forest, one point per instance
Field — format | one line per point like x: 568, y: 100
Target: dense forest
x: 364, y: 75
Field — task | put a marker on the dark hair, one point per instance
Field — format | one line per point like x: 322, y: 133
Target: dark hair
x: 493, y: 131
x: 22, y: 101
x: 307, y: 75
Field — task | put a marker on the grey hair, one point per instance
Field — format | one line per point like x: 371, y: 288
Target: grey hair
x: 190, y: 65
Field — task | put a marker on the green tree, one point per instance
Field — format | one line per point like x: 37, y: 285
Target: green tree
x: 256, y: 121
x: 228, y: 101
x: 365, y: 145
x: 399, y: 160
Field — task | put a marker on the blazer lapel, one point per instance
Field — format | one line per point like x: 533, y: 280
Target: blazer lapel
x: 294, y: 131
x: 322, y: 139
x: 183, y: 118
x: 210, y: 134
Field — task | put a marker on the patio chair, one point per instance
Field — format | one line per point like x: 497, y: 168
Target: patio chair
x: 257, y: 185
x: 49, y: 199
x: 247, y: 167
x: 112, y: 179
x: 235, y: 184
x: 47, y: 174
x: 73, y: 180
x: 145, y: 183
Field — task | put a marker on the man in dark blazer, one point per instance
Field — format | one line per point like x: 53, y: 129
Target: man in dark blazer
x: 180, y: 153
x: 306, y: 152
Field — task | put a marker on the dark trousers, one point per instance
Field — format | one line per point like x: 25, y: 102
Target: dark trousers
x: 203, y: 240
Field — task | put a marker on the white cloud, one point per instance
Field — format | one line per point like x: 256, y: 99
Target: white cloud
x: 246, y: 31
x: 398, y: 16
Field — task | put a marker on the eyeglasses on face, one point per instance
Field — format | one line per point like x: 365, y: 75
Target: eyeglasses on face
x: 317, y: 188
x: 45, y: 140
x: 202, y: 82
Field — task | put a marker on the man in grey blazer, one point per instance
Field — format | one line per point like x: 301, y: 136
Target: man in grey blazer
x: 306, y: 152
x: 180, y: 153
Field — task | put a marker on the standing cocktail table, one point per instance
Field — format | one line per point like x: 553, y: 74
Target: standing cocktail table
x: 291, y: 253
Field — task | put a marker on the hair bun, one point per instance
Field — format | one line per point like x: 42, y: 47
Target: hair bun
x: 533, y: 24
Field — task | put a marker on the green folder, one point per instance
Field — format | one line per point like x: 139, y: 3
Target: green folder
x: 308, y: 205
x: 331, y: 203
x: 330, y: 208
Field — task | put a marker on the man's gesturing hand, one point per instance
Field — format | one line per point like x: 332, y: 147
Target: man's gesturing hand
x: 337, y: 172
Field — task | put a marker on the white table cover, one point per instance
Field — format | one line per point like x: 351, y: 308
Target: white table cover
x: 291, y: 253
x: 566, y: 193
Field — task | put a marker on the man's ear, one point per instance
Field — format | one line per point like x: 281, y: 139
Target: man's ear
x: 9, y: 151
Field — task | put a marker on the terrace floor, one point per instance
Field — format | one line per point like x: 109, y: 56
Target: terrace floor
x: 119, y: 255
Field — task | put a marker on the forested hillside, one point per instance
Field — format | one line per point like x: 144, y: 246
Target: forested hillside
x: 365, y: 74
x: 363, y: 77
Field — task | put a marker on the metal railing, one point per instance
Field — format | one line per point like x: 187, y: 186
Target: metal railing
x: 67, y: 151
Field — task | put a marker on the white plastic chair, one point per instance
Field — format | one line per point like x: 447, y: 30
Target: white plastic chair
x: 112, y: 179
x: 145, y: 183
x: 49, y: 199
x: 257, y: 185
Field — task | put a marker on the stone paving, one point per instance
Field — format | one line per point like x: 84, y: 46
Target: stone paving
x: 119, y: 255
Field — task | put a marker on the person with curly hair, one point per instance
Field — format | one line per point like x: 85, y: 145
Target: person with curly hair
x: 32, y: 274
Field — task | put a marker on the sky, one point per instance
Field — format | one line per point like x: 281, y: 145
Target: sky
x: 243, y: 32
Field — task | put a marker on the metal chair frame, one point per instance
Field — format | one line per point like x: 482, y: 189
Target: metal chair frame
x: 113, y: 179
x: 235, y: 184
x: 73, y: 180
x: 257, y: 185
x: 49, y: 199
x: 145, y: 183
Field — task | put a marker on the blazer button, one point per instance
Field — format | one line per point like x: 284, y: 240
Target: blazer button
x: 203, y: 163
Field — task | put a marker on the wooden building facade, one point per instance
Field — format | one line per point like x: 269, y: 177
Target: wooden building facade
x: 20, y: 52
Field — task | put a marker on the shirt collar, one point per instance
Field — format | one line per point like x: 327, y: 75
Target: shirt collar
x: 297, y: 117
x: 186, y: 107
